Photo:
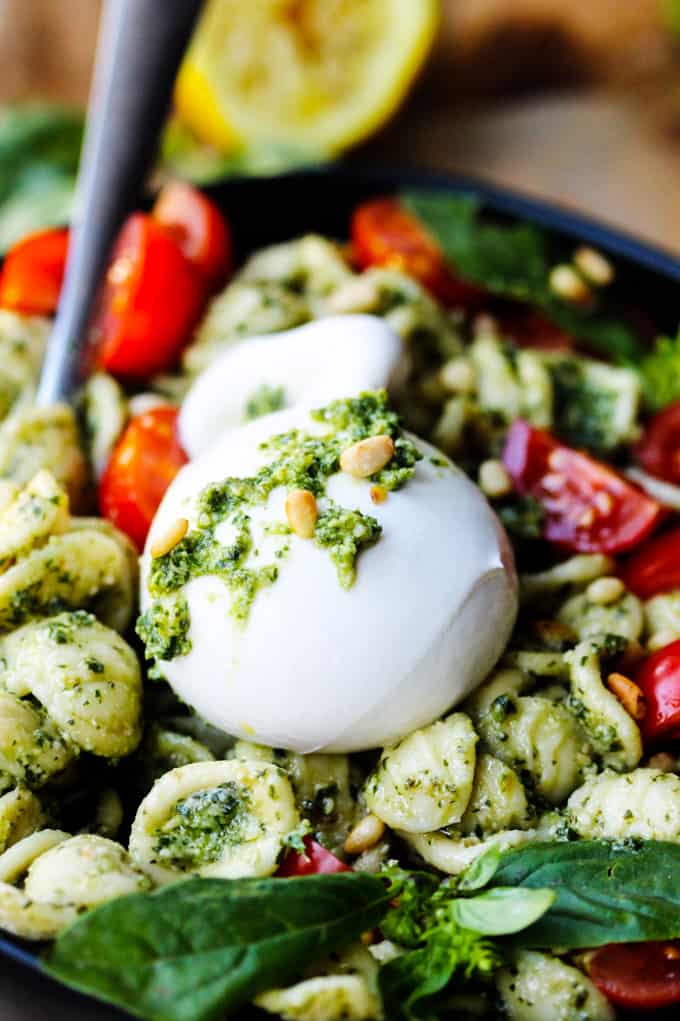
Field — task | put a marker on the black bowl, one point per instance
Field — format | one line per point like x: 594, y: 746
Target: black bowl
x: 265, y: 210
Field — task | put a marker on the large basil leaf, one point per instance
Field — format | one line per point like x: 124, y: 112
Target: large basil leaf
x: 515, y: 262
x: 605, y: 893
x: 197, y: 950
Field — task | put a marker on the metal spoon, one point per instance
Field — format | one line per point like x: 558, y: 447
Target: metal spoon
x: 141, y: 43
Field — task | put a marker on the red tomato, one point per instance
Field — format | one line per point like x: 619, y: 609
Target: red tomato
x: 33, y: 271
x: 658, y: 450
x: 638, y: 975
x: 143, y: 464
x: 655, y: 567
x: 151, y: 301
x: 659, y: 677
x: 589, y: 508
x: 384, y: 234
x: 315, y: 860
x: 199, y: 229
x: 526, y: 327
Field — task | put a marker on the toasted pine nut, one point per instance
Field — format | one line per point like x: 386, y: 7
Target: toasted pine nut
x: 605, y: 590
x: 663, y: 761
x: 566, y: 283
x: 378, y: 494
x: 458, y: 376
x: 368, y: 937
x: 494, y: 480
x: 660, y: 639
x: 169, y: 539
x: 671, y: 952
x: 365, y: 834
x: 367, y: 456
x: 302, y: 512
x: 594, y: 266
x: 629, y: 695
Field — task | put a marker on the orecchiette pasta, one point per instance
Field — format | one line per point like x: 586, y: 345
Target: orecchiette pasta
x: 34, y: 513
x: 116, y: 601
x: 514, y: 388
x: 644, y: 803
x: 344, y: 991
x: 32, y: 438
x: 22, y: 345
x: 20, y: 815
x: 425, y: 781
x: 84, y: 674
x: 614, y: 734
x: 537, y: 987
x: 84, y: 871
x: 225, y: 819
x: 104, y: 413
x: 662, y: 615
x: 31, y: 748
x: 454, y: 854
x: 498, y: 801
x: 574, y: 573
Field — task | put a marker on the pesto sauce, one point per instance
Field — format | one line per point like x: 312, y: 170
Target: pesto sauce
x: 202, y: 825
x: 583, y: 411
x: 298, y: 461
x: 263, y: 401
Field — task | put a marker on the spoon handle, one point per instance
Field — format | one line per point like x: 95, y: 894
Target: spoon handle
x: 140, y: 47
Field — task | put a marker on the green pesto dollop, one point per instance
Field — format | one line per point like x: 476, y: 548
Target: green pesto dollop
x: 202, y: 825
x: 263, y: 401
x: 298, y: 460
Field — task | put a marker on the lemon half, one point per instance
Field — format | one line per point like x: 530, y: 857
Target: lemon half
x: 318, y: 74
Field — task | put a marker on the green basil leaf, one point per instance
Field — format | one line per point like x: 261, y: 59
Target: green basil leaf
x: 605, y: 893
x: 515, y: 262
x: 502, y: 910
x: 482, y: 870
x: 197, y: 950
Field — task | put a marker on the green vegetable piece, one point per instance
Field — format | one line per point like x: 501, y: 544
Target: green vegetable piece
x: 198, y: 950
x: 502, y: 910
x: 606, y: 892
x: 482, y: 870
x: 660, y: 373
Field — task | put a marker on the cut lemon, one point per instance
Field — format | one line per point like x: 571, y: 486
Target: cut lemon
x: 318, y: 74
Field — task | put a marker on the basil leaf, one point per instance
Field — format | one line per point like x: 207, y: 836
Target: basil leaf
x: 502, y: 910
x: 482, y: 870
x: 605, y: 893
x: 198, y: 949
x: 515, y: 262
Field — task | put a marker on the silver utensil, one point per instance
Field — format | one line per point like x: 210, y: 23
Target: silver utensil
x: 141, y: 43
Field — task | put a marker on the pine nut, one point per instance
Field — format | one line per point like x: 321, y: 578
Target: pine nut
x: 594, y: 266
x: 605, y: 590
x: 367, y: 456
x: 671, y: 952
x: 169, y: 539
x: 378, y: 494
x: 365, y: 834
x: 661, y: 639
x: 458, y: 376
x: 302, y: 512
x: 629, y: 695
x: 566, y: 283
x: 663, y: 761
x: 494, y: 480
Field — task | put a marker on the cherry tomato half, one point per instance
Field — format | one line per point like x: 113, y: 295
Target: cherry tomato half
x: 589, y: 508
x: 33, y: 271
x: 314, y: 861
x: 199, y: 229
x: 143, y: 464
x: 659, y: 677
x: 655, y: 567
x: 151, y: 301
x: 658, y: 450
x: 385, y: 234
x: 643, y: 976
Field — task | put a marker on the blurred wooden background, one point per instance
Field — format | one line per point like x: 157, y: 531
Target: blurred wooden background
x: 576, y: 102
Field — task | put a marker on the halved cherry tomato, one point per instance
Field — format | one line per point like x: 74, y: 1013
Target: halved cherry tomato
x: 314, y: 861
x: 658, y: 450
x: 642, y: 976
x: 659, y: 677
x: 33, y: 271
x: 655, y: 567
x: 589, y: 508
x: 143, y: 464
x: 199, y: 229
x: 385, y: 234
x: 526, y: 327
x: 151, y: 301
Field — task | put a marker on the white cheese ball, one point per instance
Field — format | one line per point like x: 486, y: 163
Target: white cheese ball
x: 307, y: 366
x: 317, y: 667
